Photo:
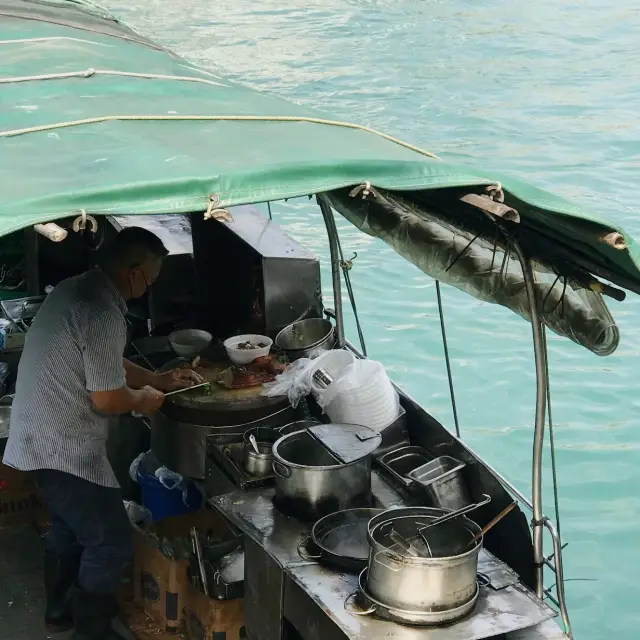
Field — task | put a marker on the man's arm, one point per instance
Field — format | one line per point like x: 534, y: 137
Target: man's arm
x: 126, y: 400
x: 138, y: 377
x: 102, y: 344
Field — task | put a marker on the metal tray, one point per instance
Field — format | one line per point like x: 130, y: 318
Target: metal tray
x: 229, y: 458
x: 401, y: 462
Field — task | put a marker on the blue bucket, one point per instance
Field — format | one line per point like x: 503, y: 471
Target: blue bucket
x: 163, y: 502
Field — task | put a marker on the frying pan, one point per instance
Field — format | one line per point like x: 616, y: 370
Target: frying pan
x: 339, y: 540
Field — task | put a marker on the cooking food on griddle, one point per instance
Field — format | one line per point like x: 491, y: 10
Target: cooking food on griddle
x: 261, y: 370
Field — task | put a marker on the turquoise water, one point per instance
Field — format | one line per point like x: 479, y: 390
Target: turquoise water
x: 546, y: 90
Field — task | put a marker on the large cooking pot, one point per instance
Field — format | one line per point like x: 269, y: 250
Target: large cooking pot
x: 412, y: 573
x: 306, y: 338
x: 323, y: 469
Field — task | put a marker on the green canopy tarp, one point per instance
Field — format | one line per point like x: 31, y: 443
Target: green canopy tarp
x: 65, y: 62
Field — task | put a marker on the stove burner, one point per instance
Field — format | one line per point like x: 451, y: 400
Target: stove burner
x: 361, y: 603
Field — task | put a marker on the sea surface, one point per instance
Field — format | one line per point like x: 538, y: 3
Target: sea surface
x: 546, y: 90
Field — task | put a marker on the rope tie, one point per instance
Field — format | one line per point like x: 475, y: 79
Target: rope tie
x: 364, y: 190
x: 80, y: 223
x: 347, y: 265
x: 89, y: 72
x: 213, y: 213
x: 495, y: 192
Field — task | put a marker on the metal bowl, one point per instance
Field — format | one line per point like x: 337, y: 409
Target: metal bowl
x: 306, y: 338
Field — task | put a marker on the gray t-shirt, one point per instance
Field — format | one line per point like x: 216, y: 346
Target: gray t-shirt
x: 74, y: 346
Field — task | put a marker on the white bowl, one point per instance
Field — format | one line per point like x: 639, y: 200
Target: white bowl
x: 246, y: 356
x: 190, y: 342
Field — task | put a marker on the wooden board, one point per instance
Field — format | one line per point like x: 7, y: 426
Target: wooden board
x: 221, y: 406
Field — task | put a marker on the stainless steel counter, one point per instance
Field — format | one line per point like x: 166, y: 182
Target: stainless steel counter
x: 283, y: 589
x: 497, y: 612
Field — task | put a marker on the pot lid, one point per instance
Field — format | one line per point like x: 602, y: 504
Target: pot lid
x: 348, y: 442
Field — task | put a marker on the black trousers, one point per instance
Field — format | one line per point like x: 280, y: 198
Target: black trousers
x: 89, y: 521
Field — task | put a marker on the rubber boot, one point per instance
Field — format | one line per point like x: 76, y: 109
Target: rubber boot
x: 60, y: 574
x: 93, y: 614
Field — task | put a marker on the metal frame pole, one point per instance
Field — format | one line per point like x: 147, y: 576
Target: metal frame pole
x: 334, y: 250
x: 541, y: 407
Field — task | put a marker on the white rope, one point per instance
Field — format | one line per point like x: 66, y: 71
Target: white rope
x: 87, y: 73
x: 129, y: 118
x: 363, y: 190
x: 80, y: 223
x: 25, y: 40
x: 212, y: 213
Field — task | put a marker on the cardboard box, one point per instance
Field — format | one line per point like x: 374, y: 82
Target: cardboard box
x: 161, y: 585
x: 20, y: 500
x: 209, y: 619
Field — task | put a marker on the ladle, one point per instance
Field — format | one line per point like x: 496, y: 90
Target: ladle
x: 254, y: 444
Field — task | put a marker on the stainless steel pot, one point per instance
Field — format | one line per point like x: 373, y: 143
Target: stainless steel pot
x: 312, y: 482
x: 298, y: 425
x: 5, y: 417
x: 306, y: 338
x: 405, y: 572
x: 267, y: 435
x: 258, y: 464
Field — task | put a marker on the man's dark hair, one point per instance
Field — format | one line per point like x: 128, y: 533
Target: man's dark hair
x: 131, y: 248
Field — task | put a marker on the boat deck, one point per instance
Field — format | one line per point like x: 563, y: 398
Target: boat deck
x: 22, y: 592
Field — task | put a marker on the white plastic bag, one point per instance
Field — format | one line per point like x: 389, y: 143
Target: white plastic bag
x: 138, y: 514
x: 146, y: 462
x: 294, y: 382
x: 172, y: 480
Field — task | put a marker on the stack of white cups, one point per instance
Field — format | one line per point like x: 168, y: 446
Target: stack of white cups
x: 361, y: 392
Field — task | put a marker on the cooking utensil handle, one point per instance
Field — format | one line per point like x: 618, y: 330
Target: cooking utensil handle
x: 282, y: 474
x: 354, y: 609
x: 386, y: 563
x: 191, y: 388
x: 495, y: 521
x: 458, y: 512
x: 304, y: 554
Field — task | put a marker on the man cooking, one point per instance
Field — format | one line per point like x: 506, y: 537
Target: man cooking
x: 71, y: 377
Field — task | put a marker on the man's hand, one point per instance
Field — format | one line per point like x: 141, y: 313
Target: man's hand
x: 177, y: 379
x: 150, y: 400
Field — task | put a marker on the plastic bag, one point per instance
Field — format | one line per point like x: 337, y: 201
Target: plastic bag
x: 138, y: 514
x: 294, y: 382
x: 146, y: 462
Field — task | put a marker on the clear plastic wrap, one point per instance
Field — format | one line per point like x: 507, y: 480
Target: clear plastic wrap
x: 294, y: 382
x: 480, y: 267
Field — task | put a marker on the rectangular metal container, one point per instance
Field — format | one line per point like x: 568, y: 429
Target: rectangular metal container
x: 443, y: 482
